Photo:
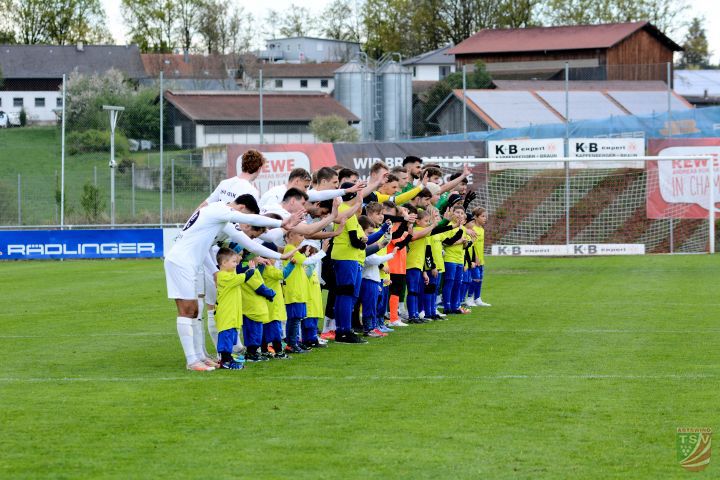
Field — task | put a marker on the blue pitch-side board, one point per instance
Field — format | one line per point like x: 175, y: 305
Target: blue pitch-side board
x: 66, y: 244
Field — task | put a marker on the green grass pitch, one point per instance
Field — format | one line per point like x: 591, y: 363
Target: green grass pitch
x: 583, y: 368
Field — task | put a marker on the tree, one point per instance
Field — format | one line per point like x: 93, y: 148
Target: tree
x: 332, y: 129
x: 696, y: 52
x: 664, y: 14
x: 73, y: 21
x: 339, y: 21
x: 151, y: 23
x: 32, y: 19
x: 188, y: 13
x: 297, y: 22
x: 91, y: 202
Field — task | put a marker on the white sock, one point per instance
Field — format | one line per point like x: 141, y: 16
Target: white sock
x: 185, y: 332
x: 333, y: 325
x: 198, y: 339
x: 201, y: 306
x: 212, y: 328
x: 327, y: 324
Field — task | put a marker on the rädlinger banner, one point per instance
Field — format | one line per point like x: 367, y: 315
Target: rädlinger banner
x: 282, y: 158
x: 680, y: 188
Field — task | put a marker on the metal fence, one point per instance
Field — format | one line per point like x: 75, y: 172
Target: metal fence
x: 161, y: 178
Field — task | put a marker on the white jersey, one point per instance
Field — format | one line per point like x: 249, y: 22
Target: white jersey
x: 275, y: 195
x: 231, y: 188
x: 196, y: 237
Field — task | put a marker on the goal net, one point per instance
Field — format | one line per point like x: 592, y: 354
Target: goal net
x: 571, y: 206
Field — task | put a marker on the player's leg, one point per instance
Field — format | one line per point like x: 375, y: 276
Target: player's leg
x: 448, y: 285
x: 180, y: 282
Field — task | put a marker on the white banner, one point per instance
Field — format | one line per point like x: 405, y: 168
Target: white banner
x: 607, y: 147
x: 688, y: 181
x: 580, y: 249
x: 520, y: 150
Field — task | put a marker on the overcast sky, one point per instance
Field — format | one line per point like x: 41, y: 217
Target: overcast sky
x: 709, y: 10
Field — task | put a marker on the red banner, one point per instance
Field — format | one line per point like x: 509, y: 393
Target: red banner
x: 681, y: 188
x: 282, y: 158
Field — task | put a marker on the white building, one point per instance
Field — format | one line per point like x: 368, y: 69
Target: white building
x: 309, y: 49
x: 431, y: 66
x: 299, y: 77
x: 32, y: 74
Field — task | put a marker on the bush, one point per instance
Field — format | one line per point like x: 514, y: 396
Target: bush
x: 91, y: 202
x: 187, y: 179
x: 333, y: 128
x: 23, y: 117
x: 96, y: 141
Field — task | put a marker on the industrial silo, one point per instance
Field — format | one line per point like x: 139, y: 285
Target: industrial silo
x: 355, y: 89
x: 395, y: 120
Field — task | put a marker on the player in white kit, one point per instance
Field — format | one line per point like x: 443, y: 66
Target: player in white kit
x: 187, y: 255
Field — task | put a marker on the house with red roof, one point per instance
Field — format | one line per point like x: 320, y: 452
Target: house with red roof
x: 614, y: 51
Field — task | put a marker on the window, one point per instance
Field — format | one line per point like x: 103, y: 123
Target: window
x: 59, y: 102
x: 288, y: 47
x: 39, y: 101
x: 17, y: 102
x: 444, y: 72
x: 0, y: 101
x: 278, y: 83
x: 323, y: 83
x: 414, y: 71
x: 303, y: 83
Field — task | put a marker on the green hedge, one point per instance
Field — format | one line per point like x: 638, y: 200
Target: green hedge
x: 95, y: 141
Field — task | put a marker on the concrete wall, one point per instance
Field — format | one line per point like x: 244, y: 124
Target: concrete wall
x: 429, y: 72
x: 293, y: 84
x: 35, y: 115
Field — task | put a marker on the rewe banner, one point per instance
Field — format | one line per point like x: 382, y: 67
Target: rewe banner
x: 681, y: 188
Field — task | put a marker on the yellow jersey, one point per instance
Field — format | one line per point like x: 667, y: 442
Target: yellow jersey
x: 479, y: 244
x: 342, y: 249
x: 454, y: 253
x: 254, y: 305
x: 273, y: 278
x: 296, y: 284
x: 229, y: 309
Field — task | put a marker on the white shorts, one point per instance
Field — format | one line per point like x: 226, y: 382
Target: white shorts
x: 210, y: 289
x: 180, y: 280
x: 200, y: 282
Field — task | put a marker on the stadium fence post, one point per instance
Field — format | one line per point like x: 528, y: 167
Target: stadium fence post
x: 161, y: 147
x: 172, y: 186
x: 464, y: 80
x: 711, y: 207
x: 567, y: 153
x: 132, y: 187
x: 668, y: 80
x: 19, y: 200
x: 262, y: 139
x: 62, y: 158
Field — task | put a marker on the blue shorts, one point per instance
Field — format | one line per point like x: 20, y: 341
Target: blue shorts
x: 227, y: 340
x: 477, y: 272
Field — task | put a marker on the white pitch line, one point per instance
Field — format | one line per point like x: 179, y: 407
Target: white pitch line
x: 119, y: 334
x: 354, y: 378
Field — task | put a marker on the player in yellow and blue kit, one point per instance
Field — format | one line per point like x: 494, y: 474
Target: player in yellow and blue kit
x: 295, y: 292
x: 479, y: 258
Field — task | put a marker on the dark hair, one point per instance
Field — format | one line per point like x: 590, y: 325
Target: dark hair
x: 432, y: 172
x: 249, y: 202
x: 377, y: 166
x: 365, y: 222
x: 350, y: 195
x: 399, y: 169
x: 347, y: 173
x: 326, y: 204
x: 299, y: 173
x: 273, y: 216
x: 456, y: 175
x: 392, y: 178
x: 325, y: 173
x: 337, y: 168
x: 411, y: 159
x: 294, y: 193
x: 270, y: 246
x: 223, y: 254
x: 373, y: 207
x: 389, y: 204
x: 425, y: 193
x: 252, y: 161
x: 411, y: 208
x: 477, y: 211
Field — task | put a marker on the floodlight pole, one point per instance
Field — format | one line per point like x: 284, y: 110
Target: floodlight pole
x: 114, y: 113
x: 711, y: 207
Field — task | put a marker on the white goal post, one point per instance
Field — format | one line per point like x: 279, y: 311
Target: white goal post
x: 595, y: 205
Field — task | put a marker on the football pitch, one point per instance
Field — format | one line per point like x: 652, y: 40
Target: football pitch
x: 582, y: 368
